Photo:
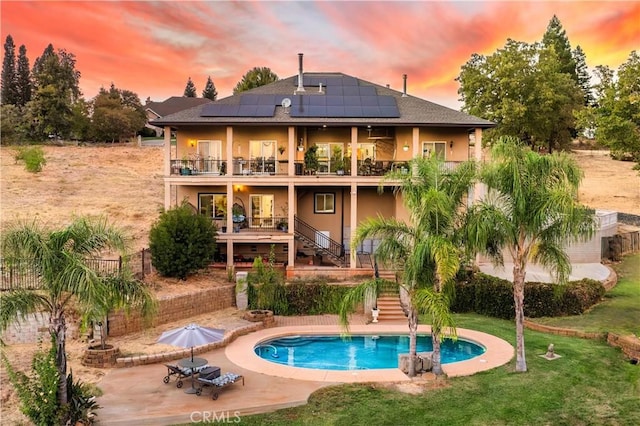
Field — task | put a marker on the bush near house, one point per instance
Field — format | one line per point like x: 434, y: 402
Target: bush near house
x: 182, y: 242
x: 493, y: 297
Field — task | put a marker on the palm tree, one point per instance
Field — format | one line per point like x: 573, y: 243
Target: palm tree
x: 62, y: 260
x: 531, y: 212
x: 425, y: 248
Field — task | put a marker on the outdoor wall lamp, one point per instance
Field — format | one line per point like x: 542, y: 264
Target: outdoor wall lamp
x: 192, y: 143
x: 405, y: 148
x: 450, y: 144
x: 301, y: 145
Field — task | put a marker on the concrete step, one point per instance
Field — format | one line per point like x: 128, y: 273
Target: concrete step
x: 390, y: 309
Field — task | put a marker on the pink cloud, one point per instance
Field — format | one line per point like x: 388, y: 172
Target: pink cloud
x: 153, y: 47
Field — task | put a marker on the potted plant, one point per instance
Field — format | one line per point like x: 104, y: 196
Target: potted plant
x: 337, y: 161
x: 311, y: 162
x: 283, y: 225
x: 238, y: 217
x: 186, y: 168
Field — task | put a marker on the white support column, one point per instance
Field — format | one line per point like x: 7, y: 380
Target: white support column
x: 353, y: 221
x: 229, y: 151
x: 354, y: 151
x: 167, y: 167
x: 291, y: 153
x: 291, y: 202
x: 478, y: 145
x: 415, y: 151
x: 229, y: 223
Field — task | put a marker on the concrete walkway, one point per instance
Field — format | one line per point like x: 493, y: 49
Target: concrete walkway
x: 137, y: 395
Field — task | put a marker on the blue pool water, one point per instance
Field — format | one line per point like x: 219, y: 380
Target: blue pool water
x: 361, y: 352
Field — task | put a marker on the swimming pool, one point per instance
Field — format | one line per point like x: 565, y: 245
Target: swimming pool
x: 357, y: 352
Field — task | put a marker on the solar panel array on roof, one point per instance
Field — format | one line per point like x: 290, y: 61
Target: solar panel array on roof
x: 342, y: 98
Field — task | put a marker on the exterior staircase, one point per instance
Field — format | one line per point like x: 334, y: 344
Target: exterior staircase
x: 390, y: 309
x: 319, y: 243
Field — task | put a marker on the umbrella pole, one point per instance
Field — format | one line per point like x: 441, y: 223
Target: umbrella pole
x: 191, y: 353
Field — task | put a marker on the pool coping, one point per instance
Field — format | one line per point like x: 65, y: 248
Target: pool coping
x: 240, y: 352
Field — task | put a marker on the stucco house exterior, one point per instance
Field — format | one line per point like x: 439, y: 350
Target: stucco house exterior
x: 241, y: 161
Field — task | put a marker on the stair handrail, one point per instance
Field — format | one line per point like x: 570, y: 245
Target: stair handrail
x: 312, y: 234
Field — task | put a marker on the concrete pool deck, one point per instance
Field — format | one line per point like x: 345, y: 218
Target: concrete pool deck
x: 137, y: 395
x: 498, y: 352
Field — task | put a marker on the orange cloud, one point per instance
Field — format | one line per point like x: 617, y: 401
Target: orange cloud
x: 152, y: 48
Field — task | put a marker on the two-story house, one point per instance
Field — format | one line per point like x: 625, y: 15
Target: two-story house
x: 297, y: 163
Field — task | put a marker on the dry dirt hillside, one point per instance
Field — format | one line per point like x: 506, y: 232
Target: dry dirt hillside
x: 124, y: 182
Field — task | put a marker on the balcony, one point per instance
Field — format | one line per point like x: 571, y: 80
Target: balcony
x: 271, y: 167
x: 272, y: 224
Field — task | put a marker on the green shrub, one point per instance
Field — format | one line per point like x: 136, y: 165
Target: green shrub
x: 314, y: 298
x: 82, y: 402
x: 493, y: 297
x: 182, y: 242
x: 33, y: 158
x: 266, y: 290
x: 265, y: 287
x: 38, y: 391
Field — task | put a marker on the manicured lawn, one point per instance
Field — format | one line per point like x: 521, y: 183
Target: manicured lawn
x: 591, y: 384
x: 620, y: 310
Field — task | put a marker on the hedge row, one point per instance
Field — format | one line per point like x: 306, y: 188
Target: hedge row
x: 493, y: 296
x: 297, y: 298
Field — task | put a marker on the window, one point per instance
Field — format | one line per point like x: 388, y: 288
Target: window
x: 325, y: 203
x: 434, y: 148
x: 329, y: 156
x: 213, y: 205
x: 261, y: 214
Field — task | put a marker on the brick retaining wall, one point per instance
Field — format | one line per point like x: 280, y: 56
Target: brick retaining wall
x: 172, y: 308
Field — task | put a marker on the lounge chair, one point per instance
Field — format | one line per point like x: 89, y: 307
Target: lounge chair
x: 180, y: 373
x: 218, y: 383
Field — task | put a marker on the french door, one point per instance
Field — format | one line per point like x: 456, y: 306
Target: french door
x: 261, y: 210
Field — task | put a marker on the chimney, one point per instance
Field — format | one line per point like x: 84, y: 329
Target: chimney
x: 404, y: 86
x: 300, y: 83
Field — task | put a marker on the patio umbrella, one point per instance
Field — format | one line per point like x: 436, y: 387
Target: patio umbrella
x: 191, y: 335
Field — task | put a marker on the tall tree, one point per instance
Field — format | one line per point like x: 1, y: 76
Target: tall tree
x: 617, y: 116
x: 9, y: 88
x: 61, y: 257
x: 56, y: 88
x: 210, y: 91
x: 117, y: 114
x: 582, y: 75
x: 556, y: 37
x: 529, y: 214
x: 23, y: 77
x: 190, y: 89
x: 425, y: 248
x: 256, y: 77
x: 521, y: 87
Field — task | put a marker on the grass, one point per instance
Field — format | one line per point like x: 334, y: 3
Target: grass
x: 620, y: 310
x: 591, y: 384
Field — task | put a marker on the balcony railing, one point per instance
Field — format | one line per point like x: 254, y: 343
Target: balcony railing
x: 270, y: 167
x: 255, y: 224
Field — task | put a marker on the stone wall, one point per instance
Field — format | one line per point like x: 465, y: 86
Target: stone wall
x: 172, y: 308
x: 35, y: 327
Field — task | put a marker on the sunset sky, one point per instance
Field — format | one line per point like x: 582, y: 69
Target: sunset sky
x: 152, y: 48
